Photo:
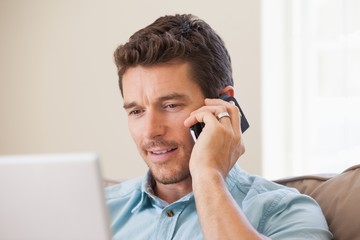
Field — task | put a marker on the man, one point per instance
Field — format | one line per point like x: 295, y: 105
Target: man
x: 171, y: 74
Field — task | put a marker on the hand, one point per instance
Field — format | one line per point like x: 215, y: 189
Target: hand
x: 214, y: 154
x: 220, y: 144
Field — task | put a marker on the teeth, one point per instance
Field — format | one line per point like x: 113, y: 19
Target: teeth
x: 161, y: 152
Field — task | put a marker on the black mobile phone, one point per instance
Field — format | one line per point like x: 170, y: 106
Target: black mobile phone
x: 196, y: 129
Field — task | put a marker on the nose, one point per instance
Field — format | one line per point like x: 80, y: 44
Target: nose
x: 154, y: 124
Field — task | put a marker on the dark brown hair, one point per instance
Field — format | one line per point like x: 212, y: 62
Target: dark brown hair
x: 179, y: 37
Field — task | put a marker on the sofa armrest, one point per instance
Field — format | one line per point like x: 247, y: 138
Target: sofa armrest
x: 338, y: 196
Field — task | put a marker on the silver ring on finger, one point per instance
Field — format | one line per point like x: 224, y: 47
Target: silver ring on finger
x: 223, y: 114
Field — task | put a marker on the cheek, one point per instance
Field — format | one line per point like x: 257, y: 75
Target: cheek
x: 177, y: 122
x: 182, y: 131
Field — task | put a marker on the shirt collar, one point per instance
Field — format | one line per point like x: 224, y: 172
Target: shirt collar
x: 233, y: 177
x: 148, y: 196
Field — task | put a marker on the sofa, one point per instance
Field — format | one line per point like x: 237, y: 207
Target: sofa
x: 338, y: 196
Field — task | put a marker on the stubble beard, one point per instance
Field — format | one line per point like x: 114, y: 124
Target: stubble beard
x: 172, y: 172
x: 170, y: 178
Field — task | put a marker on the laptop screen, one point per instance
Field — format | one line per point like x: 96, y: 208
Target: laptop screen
x: 55, y: 196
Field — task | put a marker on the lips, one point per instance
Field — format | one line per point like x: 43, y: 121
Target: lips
x: 159, y: 152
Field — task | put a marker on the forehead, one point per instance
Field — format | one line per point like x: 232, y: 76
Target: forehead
x: 152, y: 81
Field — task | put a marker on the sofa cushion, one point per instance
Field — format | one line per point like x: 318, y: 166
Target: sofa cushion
x: 338, y: 197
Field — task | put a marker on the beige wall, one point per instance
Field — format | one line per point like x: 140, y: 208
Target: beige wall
x: 58, y: 83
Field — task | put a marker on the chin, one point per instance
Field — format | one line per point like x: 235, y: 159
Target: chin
x: 170, y: 178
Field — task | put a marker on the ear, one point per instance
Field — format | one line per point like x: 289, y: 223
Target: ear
x: 228, y: 90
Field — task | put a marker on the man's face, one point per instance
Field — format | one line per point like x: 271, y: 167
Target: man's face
x: 158, y: 99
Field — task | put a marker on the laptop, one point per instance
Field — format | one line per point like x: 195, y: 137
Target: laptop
x: 52, y: 196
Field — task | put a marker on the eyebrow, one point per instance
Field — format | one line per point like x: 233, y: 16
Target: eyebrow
x: 170, y: 96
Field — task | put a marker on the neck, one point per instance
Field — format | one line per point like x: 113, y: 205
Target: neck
x: 173, y: 192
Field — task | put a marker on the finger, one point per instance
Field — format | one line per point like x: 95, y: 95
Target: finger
x: 198, y: 115
x: 223, y: 115
x: 231, y: 109
x: 205, y: 115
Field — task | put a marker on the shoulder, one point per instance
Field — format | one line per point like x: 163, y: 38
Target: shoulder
x: 258, y: 191
x: 271, y: 207
x: 251, y: 186
x: 273, y: 198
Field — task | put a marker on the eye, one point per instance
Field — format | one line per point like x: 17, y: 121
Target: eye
x: 173, y: 107
x: 135, y: 112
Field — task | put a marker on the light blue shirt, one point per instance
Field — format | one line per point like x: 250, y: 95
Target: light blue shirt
x: 274, y: 210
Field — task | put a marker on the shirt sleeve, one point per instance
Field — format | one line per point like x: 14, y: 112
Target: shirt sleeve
x: 290, y: 215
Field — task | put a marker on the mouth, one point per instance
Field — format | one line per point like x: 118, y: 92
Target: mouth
x: 161, y: 152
